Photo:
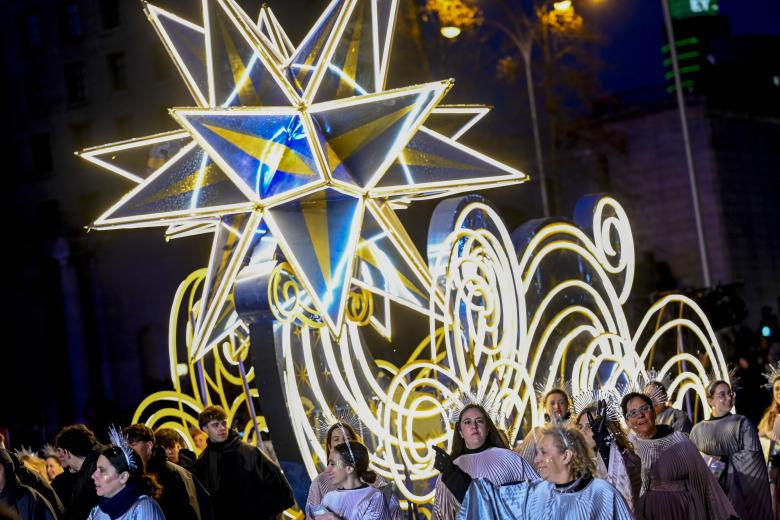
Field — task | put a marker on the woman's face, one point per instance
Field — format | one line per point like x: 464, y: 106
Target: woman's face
x: 722, y: 400
x: 107, y: 481
x: 584, y: 427
x: 473, y: 428
x: 776, y: 391
x: 339, y: 436
x: 552, y: 463
x: 338, y: 471
x: 557, y: 405
x: 640, y: 417
x: 53, y: 467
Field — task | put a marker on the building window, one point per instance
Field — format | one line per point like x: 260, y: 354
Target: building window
x: 117, y: 71
x: 29, y: 25
x: 124, y: 127
x: 76, y: 82
x: 109, y: 13
x: 37, y: 93
x: 71, y: 30
x: 40, y: 146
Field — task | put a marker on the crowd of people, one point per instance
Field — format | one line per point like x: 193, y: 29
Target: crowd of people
x: 598, y: 456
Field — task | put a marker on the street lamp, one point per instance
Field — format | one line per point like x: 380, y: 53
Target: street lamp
x: 524, y: 45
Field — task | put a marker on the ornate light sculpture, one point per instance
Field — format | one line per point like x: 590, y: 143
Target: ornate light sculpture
x: 296, y: 160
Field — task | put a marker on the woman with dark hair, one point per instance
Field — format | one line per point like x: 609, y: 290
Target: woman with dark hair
x: 353, y: 498
x: 769, y: 428
x: 124, y: 489
x: 477, y: 453
x: 665, y: 414
x: 22, y: 500
x: 734, y: 440
x: 676, y: 482
x: 613, y: 453
x: 557, y: 405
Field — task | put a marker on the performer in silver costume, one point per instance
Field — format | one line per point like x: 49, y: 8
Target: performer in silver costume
x: 477, y: 453
x: 769, y: 428
x: 665, y: 414
x: 339, y: 433
x: 569, y: 489
x: 676, y: 482
x: 613, y: 453
x: 353, y: 498
x: 557, y: 405
x: 734, y: 439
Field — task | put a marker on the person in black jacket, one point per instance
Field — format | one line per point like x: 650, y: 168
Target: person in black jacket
x: 242, y: 480
x: 34, y: 480
x: 182, y: 496
x: 78, y: 451
x: 21, y: 499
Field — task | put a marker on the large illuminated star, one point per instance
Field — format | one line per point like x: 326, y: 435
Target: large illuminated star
x: 304, y: 144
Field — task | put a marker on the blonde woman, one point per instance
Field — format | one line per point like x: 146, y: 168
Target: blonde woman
x: 569, y: 488
x: 769, y: 429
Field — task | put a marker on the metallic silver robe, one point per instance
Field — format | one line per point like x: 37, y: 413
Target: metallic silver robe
x: 366, y: 503
x: 496, y: 465
x: 540, y: 500
x: 747, y: 482
x: 321, y: 486
x: 144, y: 508
x: 676, y: 482
x: 677, y: 419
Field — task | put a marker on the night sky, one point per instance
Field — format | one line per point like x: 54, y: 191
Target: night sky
x: 634, y: 32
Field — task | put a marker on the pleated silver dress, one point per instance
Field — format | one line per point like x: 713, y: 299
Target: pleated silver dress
x: 366, y: 503
x: 538, y: 500
x: 321, y: 486
x: 676, y: 482
x: 677, y: 419
x: 144, y: 508
x: 746, y: 481
x: 496, y: 465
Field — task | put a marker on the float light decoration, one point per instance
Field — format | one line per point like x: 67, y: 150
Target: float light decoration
x: 296, y: 160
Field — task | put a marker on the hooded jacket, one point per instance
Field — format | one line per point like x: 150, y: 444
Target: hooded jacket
x: 242, y: 480
x: 25, y: 501
x: 32, y: 479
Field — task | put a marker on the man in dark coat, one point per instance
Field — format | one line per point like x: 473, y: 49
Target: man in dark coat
x: 34, y: 480
x: 183, y: 497
x: 78, y: 451
x: 21, y: 499
x: 242, y: 480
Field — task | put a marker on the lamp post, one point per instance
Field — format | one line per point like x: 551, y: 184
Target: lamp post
x: 524, y: 45
x: 705, y: 268
x: 523, y: 39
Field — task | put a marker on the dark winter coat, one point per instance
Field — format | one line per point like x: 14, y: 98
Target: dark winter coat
x: 34, y: 480
x: 21, y: 499
x: 77, y: 490
x: 242, y: 480
x: 183, y: 496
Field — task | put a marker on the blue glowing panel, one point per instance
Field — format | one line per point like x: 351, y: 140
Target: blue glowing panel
x: 233, y: 236
x: 269, y: 152
x: 384, y: 268
x: 241, y: 78
x: 360, y: 140
x: 312, y: 49
x: 435, y: 160
x: 189, y: 182
x: 186, y: 44
x: 318, y: 233
x: 351, y: 68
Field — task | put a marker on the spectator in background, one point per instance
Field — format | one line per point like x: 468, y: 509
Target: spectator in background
x: 34, y: 480
x: 27, y: 503
x: 53, y: 466
x: 78, y: 451
x: 242, y: 480
x: 199, y: 438
x: 182, y: 496
x: 170, y: 440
